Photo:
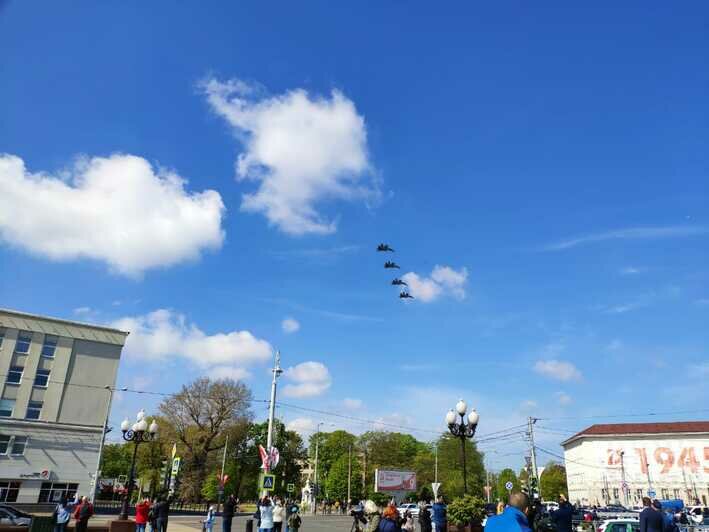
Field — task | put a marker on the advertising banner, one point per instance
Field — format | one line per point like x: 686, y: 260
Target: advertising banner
x: 386, y: 480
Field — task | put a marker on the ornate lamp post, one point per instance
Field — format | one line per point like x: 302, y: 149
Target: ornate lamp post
x: 138, y: 433
x: 464, y: 430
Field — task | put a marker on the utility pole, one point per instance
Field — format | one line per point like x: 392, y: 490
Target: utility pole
x: 624, y: 484
x: 221, y: 478
x: 435, y: 473
x: 272, y: 407
x: 316, y: 488
x: 531, y: 422
x: 349, y: 476
x: 92, y: 496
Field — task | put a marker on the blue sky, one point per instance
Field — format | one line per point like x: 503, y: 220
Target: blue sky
x: 541, y: 171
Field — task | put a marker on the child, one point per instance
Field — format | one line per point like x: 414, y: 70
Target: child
x: 294, y: 520
x: 208, y: 523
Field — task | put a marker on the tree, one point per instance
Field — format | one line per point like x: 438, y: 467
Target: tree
x: 450, y: 467
x: 115, y: 460
x: 507, y: 475
x: 553, y: 482
x: 336, y: 481
x: 198, y: 417
x: 386, y: 450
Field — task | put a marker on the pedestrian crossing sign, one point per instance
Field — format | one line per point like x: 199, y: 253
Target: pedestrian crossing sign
x: 290, y: 488
x: 268, y: 482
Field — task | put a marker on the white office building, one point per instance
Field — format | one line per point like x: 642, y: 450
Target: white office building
x: 54, y: 376
x: 621, y: 463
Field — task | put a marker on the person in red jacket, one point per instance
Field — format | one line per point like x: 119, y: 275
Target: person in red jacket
x: 142, y: 511
x: 82, y: 513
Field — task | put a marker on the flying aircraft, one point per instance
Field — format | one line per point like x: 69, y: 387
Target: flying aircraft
x: 384, y: 247
x: 397, y: 282
x: 390, y: 264
x: 405, y: 295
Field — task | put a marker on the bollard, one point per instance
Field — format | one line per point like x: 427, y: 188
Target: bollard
x: 249, y: 525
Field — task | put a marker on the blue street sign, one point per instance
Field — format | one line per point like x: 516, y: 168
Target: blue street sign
x: 268, y: 482
x: 651, y: 493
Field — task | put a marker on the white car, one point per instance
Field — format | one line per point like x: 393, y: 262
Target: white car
x: 620, y: 525
x: 410, y: 507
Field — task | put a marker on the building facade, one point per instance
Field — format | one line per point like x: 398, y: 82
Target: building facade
x: 621, y: 463
x: 55, y: 377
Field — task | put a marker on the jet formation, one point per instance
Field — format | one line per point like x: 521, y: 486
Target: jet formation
x: 389, y: 265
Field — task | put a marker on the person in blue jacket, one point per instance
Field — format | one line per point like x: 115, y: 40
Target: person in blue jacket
x: 513, y: 518
x: 439, y: 519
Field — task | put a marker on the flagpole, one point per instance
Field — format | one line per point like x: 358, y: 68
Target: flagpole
x: 221, y: 477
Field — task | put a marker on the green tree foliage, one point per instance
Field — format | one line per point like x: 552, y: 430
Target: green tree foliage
x: 450, y: 467
x: 502, y: 479
x: 336, y: 481
x: 198, y: 418
x: 115, y: 460
x: 553, y: 482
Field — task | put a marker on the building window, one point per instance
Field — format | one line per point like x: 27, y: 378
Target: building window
x: 665, y: 493
x: 9, y: 491
x: 24, y: 339
x: 14, y: 376
x: 18, y: 446
x: 6, y: 407
x: 676, y: 494
x: 52, y: 492
x: 615, y: 494
x: 34, y: 408
x: 2, y: 336
x: 50, y: 344
x: 4, y: 444
x: 639, y: 494
x: 42, y: 378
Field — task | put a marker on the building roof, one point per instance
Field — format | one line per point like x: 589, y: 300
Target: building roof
x: 622, y: 429
x: 60, y: 327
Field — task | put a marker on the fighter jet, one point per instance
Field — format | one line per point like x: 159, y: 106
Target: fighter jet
x: 390, y: 264
x: 384, y: 247
x: 405, y: 295
x: 399, y: 282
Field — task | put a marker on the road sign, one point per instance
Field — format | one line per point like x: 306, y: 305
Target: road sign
x: 268, y: 482
x: 290, y: 488
x: 509, y: 485
x: 651, y: 494
x: 435, y: 486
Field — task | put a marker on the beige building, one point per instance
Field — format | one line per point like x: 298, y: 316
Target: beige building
x: 54, y: 380
x: 623, y: 462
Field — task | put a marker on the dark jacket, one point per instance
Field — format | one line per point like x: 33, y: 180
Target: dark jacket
x: 651, y: 521
x: 440, y: 517
x: 562, y: 517
x: 229, y: 507
x: 425, y: 520
x: 161, y: 510
x: 510, y: 520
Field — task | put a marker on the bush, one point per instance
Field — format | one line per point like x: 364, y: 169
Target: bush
x: 466, y: 510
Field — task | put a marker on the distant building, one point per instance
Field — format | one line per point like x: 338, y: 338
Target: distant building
x: 54, y: 376
x: 621, y: 463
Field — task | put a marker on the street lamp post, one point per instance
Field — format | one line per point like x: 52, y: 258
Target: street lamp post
x: 138, y: 433
x: 464, y: 430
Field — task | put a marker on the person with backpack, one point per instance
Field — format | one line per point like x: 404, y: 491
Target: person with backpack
x: 294, y: 520
x: 82, y: 513
x: 62, y: 515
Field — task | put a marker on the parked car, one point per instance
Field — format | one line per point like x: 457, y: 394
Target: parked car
x: 14, y: 511
x: 619, y: 525
x: 9, y: 519
x: 410, y: 507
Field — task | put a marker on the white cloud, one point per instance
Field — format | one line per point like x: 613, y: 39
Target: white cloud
x: 557, y: 369
x: 563, y: 398
x: 228, y: 372
x: 528, y: 405
x: 82, y: 311
x: 164, y: 334
x: 301, y: 150
x: 352, y: 404
x: 290, y: 325
x: 301, y: 425
x: 631, y: 270
x: 702, y: 302
x: 309, y: 379
x: 115, y: 209
x: 444, y: 280
x: 630, y: 233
